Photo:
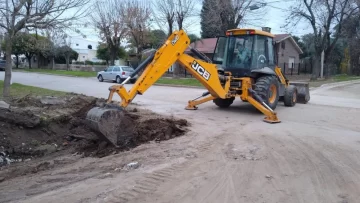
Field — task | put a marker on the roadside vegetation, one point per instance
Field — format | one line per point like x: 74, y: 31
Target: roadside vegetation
x: 19, y: 91
x: 62, y: 72
x: 180, y: 81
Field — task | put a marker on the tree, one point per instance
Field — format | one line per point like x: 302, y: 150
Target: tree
x: 109, y: 19
x: 103, y: 51
x: 29, y: 47
x: 137, y: 15
x: 17, y: 46
x: 67, y: 53
x: 351, y: 32
x: 165, y: 14
x: 322, y: 15
x: 158, y: 38
x: 193, y: 38
x: 184, y: 9
x: 40, y: 14
x: 217, y: 16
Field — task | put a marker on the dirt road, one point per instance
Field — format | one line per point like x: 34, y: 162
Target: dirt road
x: 229, y: 156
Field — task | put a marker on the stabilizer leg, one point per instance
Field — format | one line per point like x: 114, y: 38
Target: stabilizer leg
x: 271, y: 116
x: 192, y: 104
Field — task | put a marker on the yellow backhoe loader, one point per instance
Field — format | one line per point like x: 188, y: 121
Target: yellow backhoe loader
x: 243, y: 66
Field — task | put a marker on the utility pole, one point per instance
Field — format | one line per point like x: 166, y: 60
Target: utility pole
x: 322, y: 64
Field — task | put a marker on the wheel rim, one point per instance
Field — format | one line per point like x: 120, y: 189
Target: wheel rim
x: 118, y: 80
x: 273, y: 93
x: 100, y: 77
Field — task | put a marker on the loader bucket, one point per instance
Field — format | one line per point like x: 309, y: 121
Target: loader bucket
x: 303, y: 92
x: 106, y: 122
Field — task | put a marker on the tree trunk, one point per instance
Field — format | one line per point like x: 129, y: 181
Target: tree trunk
x: 8, y: 69
x: 176, y: 70
x: 67, y: 58
x: 28, y: 57
x: 17, y: 60
x: 113, y: 53
x: 316, y: 67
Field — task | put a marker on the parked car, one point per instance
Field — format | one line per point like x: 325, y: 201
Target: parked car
x: 117, y: 74
x: 2, y: 65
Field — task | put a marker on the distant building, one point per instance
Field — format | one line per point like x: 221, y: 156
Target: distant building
x: 85, y: 48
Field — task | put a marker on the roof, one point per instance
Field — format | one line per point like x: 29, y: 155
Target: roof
x: 208, y: 45
x: 204, y: 45
x: 281, y: 37
x: 246, y: 30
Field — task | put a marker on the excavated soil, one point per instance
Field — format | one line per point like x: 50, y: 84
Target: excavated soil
x: 38, y: 127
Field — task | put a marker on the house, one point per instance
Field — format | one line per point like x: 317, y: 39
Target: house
x: 205, y: 46
x: 288, y: 51
x: 85, y: 48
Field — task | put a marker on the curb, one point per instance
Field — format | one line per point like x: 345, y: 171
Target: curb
x: 73, y: 76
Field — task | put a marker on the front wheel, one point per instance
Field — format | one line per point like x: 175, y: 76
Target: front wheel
x: 267, y: 87
x: 290, y: 97
x: 223, y: 103
x: 100, y: 78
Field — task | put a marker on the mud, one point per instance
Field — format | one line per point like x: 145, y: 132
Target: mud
x: 33, y: 129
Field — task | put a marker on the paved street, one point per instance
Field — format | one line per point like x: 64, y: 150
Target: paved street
x: 176, y: 98
x: 229, y: 155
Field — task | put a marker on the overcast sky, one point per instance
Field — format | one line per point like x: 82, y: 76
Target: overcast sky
x: 274, y: 15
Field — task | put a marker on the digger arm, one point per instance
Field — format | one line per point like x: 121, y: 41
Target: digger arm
x: 159, y: 62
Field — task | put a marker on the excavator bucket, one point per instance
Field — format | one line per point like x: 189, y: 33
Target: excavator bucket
x: 106, y: 122
x: 303, y: 92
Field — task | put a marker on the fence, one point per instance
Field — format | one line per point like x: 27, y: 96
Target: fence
x: 296, y: 68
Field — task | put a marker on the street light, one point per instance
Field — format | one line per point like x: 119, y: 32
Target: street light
x: 257, y: 6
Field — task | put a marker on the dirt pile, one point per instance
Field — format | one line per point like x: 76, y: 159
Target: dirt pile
x: 37, y: 126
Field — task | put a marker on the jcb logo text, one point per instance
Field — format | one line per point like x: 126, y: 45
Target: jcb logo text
x: 196, y: 66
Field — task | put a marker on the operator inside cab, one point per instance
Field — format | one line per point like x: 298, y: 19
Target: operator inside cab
x: 243, y: 54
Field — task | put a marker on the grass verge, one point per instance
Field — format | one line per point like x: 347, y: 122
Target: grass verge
x: 19, y: 90
x: 62, y: 72
x: 336, y: 78
x: 183, y: 81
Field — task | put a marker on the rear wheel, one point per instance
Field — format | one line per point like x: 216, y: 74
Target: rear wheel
x: 267, y: 87
x: 223, y: 103
x: 118, y: 79
x: 290, y: 97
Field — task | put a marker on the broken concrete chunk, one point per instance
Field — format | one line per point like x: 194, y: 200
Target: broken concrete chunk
x: 133, y: 165
x: 4, y: 105
x: 48, y: 100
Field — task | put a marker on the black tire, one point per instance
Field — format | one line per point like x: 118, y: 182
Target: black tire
x: 223, y: 103
x: 265, y: 87
x: 133, y: 81
x: 118, y: 80
x: 290, y: 96
x: 100, y: 78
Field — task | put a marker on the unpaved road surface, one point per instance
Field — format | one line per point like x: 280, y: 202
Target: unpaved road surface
x: 229, y: 155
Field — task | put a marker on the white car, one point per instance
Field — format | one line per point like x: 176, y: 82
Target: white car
x: 117, y: 74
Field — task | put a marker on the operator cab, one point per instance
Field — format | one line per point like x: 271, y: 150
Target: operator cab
x: 244, y: 52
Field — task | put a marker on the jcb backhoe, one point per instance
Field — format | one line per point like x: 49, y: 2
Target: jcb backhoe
x: 243, y: 66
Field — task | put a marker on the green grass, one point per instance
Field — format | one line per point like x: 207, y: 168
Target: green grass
x: 182, y: 81
x: 62, y: 72
x: 19, y: 90
x: 341, y: 78
x: 336, y: 78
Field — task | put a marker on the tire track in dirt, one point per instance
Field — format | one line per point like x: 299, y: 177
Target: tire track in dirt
x: 151, y: 181
x: 336, y: 179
